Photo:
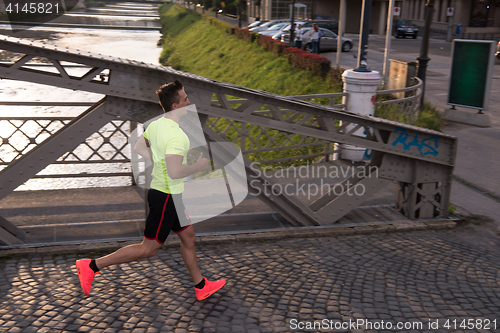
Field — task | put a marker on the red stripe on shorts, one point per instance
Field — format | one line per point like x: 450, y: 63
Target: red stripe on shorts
x: 161, y: 220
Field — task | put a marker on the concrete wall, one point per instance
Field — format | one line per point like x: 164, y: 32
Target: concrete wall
x: 332, y: 8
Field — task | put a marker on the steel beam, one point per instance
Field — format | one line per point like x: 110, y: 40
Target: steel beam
x: 10, y: 234
x: 66, y: 139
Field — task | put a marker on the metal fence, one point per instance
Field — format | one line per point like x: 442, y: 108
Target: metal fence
x: 479, y: 36
x: 107, y: 146
x: 273, y: 147
x: 403, y: 109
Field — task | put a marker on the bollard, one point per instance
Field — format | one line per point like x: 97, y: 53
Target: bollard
x: 362, y: 88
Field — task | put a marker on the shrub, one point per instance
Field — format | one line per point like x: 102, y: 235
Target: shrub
x: 429, y: 117
x: 301, y: 59
x: 246, y: 34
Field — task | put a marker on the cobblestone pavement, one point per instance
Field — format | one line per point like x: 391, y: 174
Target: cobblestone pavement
x: 275, y: 286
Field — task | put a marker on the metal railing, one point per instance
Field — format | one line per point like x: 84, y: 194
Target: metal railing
x: 256, y: 142
x: 402, y: 105
x: 274, y: 147
x: 18, y: 135
x: 479, y: 36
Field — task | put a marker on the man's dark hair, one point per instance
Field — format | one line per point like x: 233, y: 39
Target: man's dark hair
x: 169, y: 94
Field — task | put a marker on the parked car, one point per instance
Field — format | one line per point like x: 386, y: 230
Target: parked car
x: 332, y: 25
x: 274, y: 29
x: 256, y: 24
x: 279, y: 35
x: 327, y: 43
x: 280, y: 32
x: 284, y: 31
x: 498, y: 51
x: 267, y: 25
x: 403, y: 28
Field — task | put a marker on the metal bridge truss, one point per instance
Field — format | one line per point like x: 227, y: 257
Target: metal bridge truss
x: 420, y: 160
x: 108, y: 145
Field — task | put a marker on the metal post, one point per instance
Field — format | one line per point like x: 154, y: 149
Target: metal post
x: 423, y: 59
x: 133, y: 154
x: 449, y: 35
x: 388, y: 35
x: 365, y: 31
x: 340, y: 32
x: 292, y: 30
x: 239, y: 13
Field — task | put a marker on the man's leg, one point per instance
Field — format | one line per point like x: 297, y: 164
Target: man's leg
x: 203, y: 287
x: 87, y: 269
x: 188, y: 250
x: 146, y: 249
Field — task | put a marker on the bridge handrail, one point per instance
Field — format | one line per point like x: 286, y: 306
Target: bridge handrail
x: 73, y: 157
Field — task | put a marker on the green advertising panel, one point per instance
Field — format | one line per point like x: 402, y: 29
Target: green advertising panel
x: 471, y: 71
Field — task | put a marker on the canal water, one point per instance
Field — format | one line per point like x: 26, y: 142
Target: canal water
x: 131, y: 43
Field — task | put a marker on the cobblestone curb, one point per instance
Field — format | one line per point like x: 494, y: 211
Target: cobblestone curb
x: 253, y: 236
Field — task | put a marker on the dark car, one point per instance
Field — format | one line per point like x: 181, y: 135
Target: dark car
x: 403, y: 28
x: 332, y: 25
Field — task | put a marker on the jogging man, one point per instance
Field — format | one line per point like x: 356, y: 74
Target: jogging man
x: 166, y: 144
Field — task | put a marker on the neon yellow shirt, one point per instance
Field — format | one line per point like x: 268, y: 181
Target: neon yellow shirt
x: 166, y: 137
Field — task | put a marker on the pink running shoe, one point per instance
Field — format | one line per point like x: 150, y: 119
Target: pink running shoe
x: 85, y: 274
x: 210, y: 288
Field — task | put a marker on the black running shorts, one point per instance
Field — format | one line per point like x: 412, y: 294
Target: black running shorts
x: 163, y: 216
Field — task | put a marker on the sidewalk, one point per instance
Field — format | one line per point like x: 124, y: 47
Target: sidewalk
x: 417, y: 279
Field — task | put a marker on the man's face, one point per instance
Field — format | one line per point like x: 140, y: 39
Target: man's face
x: 183, y: 100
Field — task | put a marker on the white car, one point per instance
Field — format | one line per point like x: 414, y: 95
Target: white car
x: 274, y: 29
x: 267, y: 25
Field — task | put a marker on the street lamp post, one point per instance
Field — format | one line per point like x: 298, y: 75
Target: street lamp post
x: 365, y: 31
x: 292, y: 30
x: 423, y: 59
x: 239, y: 13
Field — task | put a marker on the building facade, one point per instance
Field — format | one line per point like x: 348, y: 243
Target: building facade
x: 475, y: 16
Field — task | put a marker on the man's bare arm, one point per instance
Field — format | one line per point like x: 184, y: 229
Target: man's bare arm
x: 142, y: 148
x: 177, y: 170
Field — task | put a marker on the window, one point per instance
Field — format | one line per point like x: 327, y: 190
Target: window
x: 281, y: 9
x: 329, y: 34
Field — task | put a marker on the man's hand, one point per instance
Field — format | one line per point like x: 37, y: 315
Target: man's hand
x: 177, y: 170
x: 142, y: 148
x: 202, y: 163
